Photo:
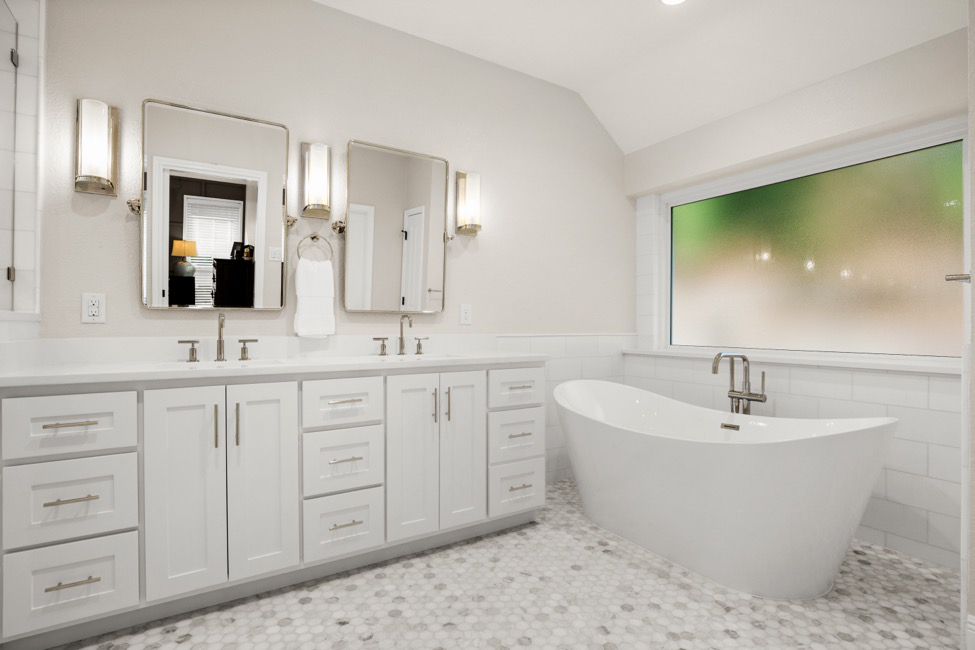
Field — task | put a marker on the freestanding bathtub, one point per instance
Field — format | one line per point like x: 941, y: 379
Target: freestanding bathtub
x: 769, y: 509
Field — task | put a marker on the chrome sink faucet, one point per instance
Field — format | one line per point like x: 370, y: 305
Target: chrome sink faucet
x: 402, y: 339
x: 741, y: 400
x: 220, y: 321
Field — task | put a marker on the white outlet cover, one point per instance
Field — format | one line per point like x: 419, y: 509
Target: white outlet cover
x: 93, y: 308
x: 466, y: 315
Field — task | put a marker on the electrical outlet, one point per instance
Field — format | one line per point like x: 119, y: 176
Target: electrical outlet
x: 93, y: 308
x: 466, y: 315
x: 275, y: 254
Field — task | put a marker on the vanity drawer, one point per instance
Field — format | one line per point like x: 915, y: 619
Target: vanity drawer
x: 50, y: 502
x: 516, y: 434
x: 334, y: 461
x: 67, y: 582
x: 514, y: 487
x: 516, y: 387
x: 341, y: 402
x: 344, y: 523
x: 64, y: 424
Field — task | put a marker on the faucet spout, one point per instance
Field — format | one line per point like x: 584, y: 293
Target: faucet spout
x: 402, y: 338
x: 716, y: 363
x: 220, y: 322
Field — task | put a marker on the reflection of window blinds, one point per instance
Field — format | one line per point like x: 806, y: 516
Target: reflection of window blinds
x: 214, y: 224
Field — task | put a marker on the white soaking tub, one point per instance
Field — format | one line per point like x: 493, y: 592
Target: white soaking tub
x: 768, y: 509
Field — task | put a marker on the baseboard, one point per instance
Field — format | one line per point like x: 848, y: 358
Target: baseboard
x: 969, y: 640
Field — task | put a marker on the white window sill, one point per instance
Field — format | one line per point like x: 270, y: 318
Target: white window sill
x: 881, y: 362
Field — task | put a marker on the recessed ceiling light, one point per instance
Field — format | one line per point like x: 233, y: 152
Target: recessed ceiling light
x: 671, y: 2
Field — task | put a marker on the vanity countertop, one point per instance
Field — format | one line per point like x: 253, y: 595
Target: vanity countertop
x: 170, y: 370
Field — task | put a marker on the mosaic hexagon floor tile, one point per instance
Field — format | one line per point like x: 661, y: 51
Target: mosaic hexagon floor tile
x: 562, y: 582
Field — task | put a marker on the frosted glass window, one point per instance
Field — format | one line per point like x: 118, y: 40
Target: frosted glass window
x: 849, y: 260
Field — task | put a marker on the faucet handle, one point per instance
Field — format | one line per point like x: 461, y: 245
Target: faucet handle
x: 244, y: 353
x: 192, y: 343
x: 382, y: 348
x: 419, y: 343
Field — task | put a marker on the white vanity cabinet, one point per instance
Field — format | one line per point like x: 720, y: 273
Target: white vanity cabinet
x: 221, y: 484
x: 435, y: 452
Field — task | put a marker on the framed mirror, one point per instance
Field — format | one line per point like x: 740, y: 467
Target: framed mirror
x: 213, y: 209
x: 396, y: 226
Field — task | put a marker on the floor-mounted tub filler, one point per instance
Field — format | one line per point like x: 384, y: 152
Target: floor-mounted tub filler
x: 767, y: 506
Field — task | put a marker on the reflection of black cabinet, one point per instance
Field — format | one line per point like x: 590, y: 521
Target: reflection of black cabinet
x: 233, y: 283
x: 182, y: 291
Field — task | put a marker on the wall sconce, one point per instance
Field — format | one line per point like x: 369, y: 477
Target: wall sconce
x: 96, y: 170
x: 468, y: 203
x: 316, y: 167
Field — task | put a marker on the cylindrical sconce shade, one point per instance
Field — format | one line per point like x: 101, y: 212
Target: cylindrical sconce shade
x: 315, y: 174
x: 96, y: 170
x: 468, y: 203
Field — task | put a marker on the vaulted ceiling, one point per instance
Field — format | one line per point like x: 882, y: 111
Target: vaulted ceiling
x: 650, y: 71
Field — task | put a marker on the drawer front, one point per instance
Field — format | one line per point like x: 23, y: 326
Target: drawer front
x: 341, y: 402
x: 514, y: 487
x: 334, y: 461
x: 59, y: 584
x: 516, y: 435
x: 516, y: 387
x: 343, y: 523
x: 50, y: 502
x: 64, y: 424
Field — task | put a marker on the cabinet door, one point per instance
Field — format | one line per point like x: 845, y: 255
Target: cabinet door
x: 262, y: 478
x: 185, y: 490
x: 412, y: 455
x: 463, y: 448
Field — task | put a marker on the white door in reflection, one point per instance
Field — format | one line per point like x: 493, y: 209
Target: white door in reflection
x: 414, y: 225
x: 359, y: 242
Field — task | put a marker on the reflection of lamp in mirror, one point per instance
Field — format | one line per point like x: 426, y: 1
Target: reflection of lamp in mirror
x: 183, y: 249
x: 468, y: 203
x: 96, y: 170
x: 315, y: 173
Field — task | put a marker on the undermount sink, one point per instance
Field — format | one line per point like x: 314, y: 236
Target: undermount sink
x: 416, y: 357
x: 234, y: 363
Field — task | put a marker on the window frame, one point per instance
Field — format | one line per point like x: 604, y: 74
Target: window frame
x: 865, y: 151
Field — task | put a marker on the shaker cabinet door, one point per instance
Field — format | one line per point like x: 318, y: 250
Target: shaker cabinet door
x: 262, y: 478
x: 185, y: 490
x: 463, y: 448
x: 412, y: 455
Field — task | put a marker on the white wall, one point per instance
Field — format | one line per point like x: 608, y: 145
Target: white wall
x: 916, y: 86
x: 555, y: 252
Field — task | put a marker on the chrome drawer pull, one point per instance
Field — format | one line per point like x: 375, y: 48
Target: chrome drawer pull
x: 520, y: 435
x: 80, y: 583
x: 334, y: 402
x: 523, y: 486
x: 354, y: 522
x: 526, y: 387
x: 64, y: 502
x: 350, y: 459
x: 65, y: 425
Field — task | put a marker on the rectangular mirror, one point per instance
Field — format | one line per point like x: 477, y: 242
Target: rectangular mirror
x: 213, y: 209
x: 396, y: 225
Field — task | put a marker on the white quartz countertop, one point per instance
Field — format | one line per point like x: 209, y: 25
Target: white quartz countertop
x: 168, y: 370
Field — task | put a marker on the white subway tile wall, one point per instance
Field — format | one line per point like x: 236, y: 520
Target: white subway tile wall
x: 916, y: 504
x: 583, y: 356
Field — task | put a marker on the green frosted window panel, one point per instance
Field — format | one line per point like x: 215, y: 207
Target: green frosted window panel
x: 849, y: 260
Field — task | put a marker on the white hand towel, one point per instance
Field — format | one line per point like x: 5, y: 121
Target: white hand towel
x: 315, y: 289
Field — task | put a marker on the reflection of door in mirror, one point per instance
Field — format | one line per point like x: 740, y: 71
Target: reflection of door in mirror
x: 395, y: 229
x: 359, y: 236
x: 213, y: 208
x: 414, y: 224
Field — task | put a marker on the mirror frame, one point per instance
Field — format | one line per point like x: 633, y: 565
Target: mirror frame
x: 446, y: 226
x: 144, y: 253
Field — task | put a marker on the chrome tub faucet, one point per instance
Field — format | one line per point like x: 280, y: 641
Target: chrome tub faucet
x: 741, y: 400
